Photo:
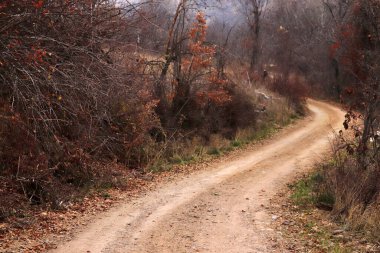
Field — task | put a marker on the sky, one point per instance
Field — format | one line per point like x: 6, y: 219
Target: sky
x: 227, y: 11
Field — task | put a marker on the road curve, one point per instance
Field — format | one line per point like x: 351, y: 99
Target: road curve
x: 220, y: 209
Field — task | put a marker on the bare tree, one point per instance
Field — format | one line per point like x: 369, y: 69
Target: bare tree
x: 253, y: 10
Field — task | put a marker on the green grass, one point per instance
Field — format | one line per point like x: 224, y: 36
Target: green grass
x: 106, y: 195
x: 160, y: 166
x: 302, y: 195
x: 177, y: 159
x: 308, y: 192
x: 339, y: 249
x: 264, y: 132
x: 214, y: 151
x: 229, y: 149
x: 313, y: 229
x: 182, y: 160
x: 203, y: 153
x: 236, y: 143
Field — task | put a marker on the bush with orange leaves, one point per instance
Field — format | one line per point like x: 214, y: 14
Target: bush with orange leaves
x: 202, y: 99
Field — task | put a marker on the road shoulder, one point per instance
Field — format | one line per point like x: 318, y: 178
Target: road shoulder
x: 310, y: 229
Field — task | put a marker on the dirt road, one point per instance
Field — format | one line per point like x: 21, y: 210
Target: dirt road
x: 221, y: 209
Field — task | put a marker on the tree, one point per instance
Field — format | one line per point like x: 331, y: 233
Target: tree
x: 173, y: 53
x: 253, y: 10
x: 198, y: 67
x: 337, y: 18
x: 361, y: 57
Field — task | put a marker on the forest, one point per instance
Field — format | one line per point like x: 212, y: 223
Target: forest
x: 93, y: 91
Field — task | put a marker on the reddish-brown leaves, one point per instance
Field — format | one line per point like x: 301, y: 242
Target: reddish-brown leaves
x: 38, y: 4
x: 333, y: 49
x: 202, y: 60
x: 36, y: 55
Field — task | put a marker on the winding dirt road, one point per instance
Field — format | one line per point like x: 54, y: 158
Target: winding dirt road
x: 220, y: 209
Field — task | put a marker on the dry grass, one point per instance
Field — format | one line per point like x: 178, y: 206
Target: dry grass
x: 356, y: 193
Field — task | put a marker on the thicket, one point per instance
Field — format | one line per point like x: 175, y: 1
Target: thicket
x: 335, y: 45
x: 294, y: 88
x: 78, y: 97
x: 353, y: 176
x: 64, y: 101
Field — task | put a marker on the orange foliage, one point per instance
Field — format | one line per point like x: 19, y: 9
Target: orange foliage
x: 202, y: 55
x: 37, y: 55
x: 218, y: 97
x: 202, y: 60
x: 38, y: 4
x: 333, y: 49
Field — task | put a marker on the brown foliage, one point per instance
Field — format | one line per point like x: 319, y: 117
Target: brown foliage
x: 293, y: 88
x: 212, y: 117
x: 75, y: 98
x: 64, y: 102
x: 356, y: 192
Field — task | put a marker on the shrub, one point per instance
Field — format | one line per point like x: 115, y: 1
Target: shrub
x: 226, y: 118
x: 291, y: 87
x: 354, y: 183
x: 65, y: 102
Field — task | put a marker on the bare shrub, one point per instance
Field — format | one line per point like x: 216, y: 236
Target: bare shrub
x: 356, y: 193
x: 355, y: 176
x: 291, y: 87
x: 65, y: 101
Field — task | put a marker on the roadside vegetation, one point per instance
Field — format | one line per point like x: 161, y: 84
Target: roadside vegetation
x: 94, y: 91
x: 310, y: 222
x: 348, y: 185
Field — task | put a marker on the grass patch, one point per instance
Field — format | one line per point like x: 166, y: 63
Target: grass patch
x: 339, y: 249
x: 263, y: 133
x: 194, y: 151
x: 324, y: 238
x: 236, y: 144
x: 106, y: 195
x: 229, y: 149
x: 182, y: 160
x: 308, y: 192
x: 315, y: 191
x: 302, y: 195
x: 214, y: 151
x: 160, y: 166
